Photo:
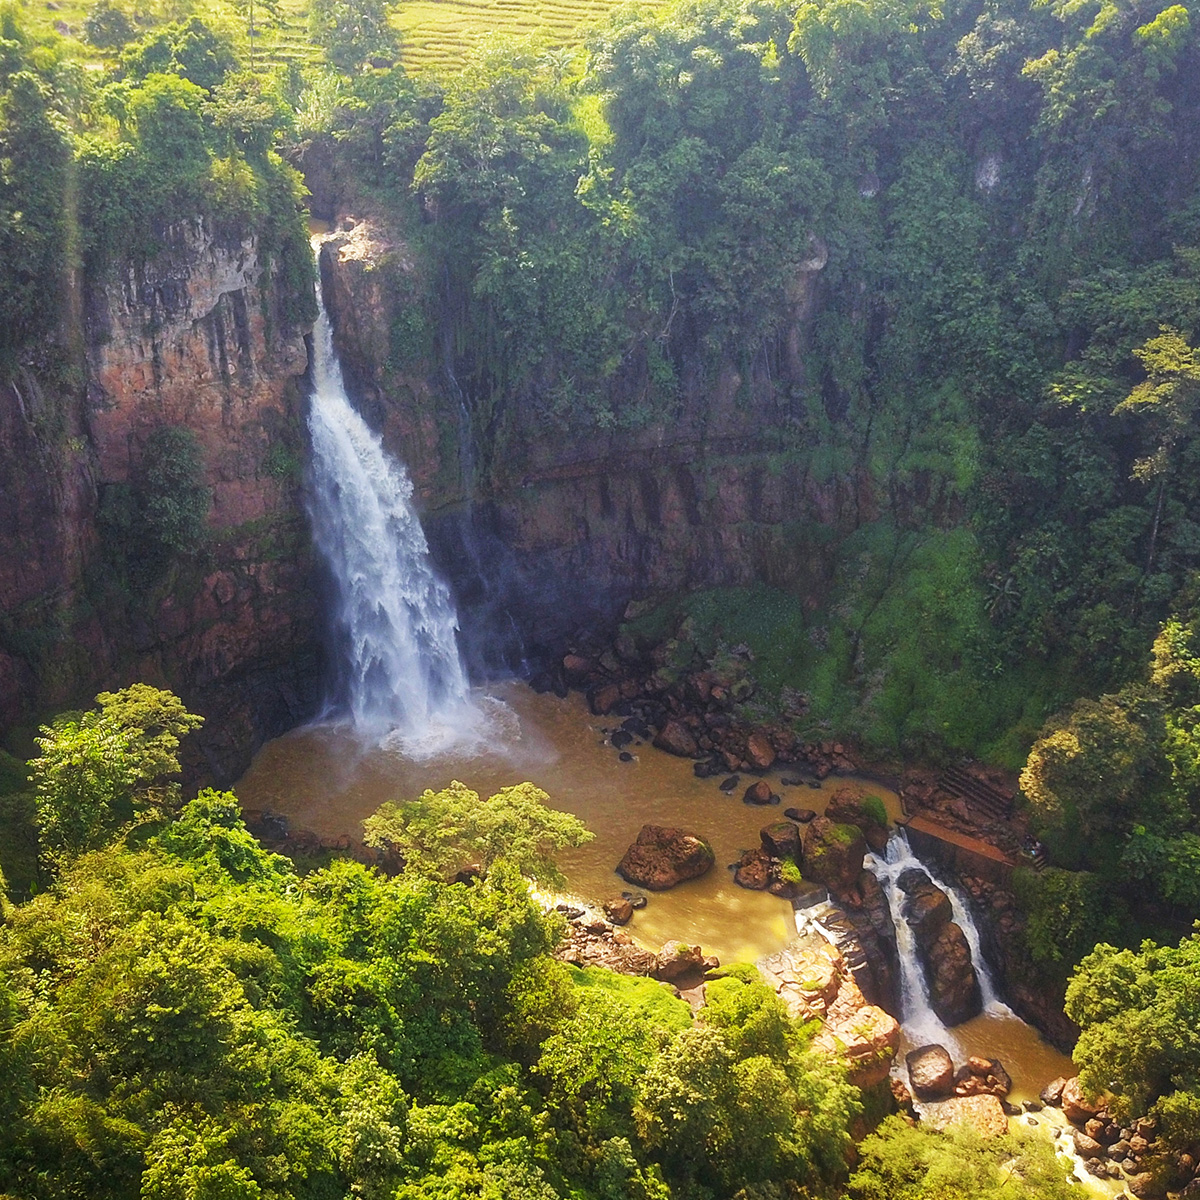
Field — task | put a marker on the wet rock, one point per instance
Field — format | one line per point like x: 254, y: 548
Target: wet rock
x: 930, y: 1072
x: 760, y: 754
x: 706, y: 768
x: 636, y: 899
x: 781, y: 839
x: 603, y: 700
x: 1077, y: 1108
x: 1052, y: 1093
x: 848, y: 805
x: 760, y: 793
x: 730, y: 784
x: 802, y: 815
x: 833, y: 854
x: 753, y: 871
x: 984, y: 1114
x: 1087, y: 1147
x: 953, y: 985
x: 676, y: 738
x: 625, y: 756
x: 571, y: 911
x: 1119, y: 1150
x: 927, y: 910
x: 664, y: 856
x: 676, y: 961
x: 618, y: 910
x: 620, y: 739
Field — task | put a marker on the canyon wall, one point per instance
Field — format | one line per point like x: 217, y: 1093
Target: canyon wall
x: 197, y: 337
x: 550, y: 528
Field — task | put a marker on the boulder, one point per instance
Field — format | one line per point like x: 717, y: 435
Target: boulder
x: 603, y: 700
x: 1052, y: 1093
x: 676, y: 738
x: 677, y: 960
x: 930, y: 1071
x: 833, y: 854
x: 663, y: 856
x: 781, y: 839
x: 753, y: 871
x: 1087, y: 1147
x: 760, y: 793
x: 803, y: 815
x: 846, y: 805
x: 927, y: 910
x: 760, y: 754
x: 618, y: 910
x: 984, y: 1114
x: 1146, y: 1186
x: 1077, y: 1108
x: 953, y: 985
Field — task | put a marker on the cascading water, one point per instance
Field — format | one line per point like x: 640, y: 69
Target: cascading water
x: 404, y: 679
x: 921, y: 1024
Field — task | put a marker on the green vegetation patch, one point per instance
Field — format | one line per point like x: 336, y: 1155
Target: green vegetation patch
x: 647, y: 998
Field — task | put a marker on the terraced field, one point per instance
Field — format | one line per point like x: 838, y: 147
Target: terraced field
x: 436, y: 34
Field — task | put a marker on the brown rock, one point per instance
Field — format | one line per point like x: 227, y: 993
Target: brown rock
x: 677, y: 960
x: 753, y: 871
x: 1087, y: 1147
x: 618, y: 910
x: 1146, y: 1185
x: 953, y: 985
x: 1077, y: 1108
x: 781, y: 839
x: 803, y: 815
x: 927, y: 909
x: 930, y: 1071
x: 676, y: 738
x: 760, y: 754
x: 604, y: 699
x: 576, y: 668
x: 833, y: 854
x: 1052, y: 1093
x: 984, y: 1114
x: 760, y: 793
x: 663, y: 856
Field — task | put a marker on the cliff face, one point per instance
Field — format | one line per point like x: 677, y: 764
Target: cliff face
x: 198, y: 338
x: 558, y: 527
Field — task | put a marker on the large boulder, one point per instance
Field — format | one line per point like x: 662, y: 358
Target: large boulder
x: 927, y: 908
x: 663, y: 856
x: 1076, y: 1106
x: 984, y: 1114
x: 930, y: 1071
x: 781, y: 839
x: 678, y: 960
x: 851, y: 806
x: 760, y: 793
x: 760, y: 754
x: 833, y: 854
x: 753, y: 871
x: 953, y: 985
x: 676, y: 738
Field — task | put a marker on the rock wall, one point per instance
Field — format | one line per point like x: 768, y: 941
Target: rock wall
x: 563, y: 528
x: 196, y: 337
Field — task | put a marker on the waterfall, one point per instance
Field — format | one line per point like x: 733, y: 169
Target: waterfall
x: 921, y: 1024
x: 404, y: 681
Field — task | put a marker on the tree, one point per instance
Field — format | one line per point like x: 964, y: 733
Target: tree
x: 353, y: 33
x: 107, y: 27
x: 446, y: 832
x: 1139, y: 1012
x: 94, y: 769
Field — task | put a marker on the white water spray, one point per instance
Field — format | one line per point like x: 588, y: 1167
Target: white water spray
x: 406, y: 685
x: 921, y: 1024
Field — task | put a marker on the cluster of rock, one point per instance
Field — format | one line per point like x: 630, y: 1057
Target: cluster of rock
x: 941, y: 947
x: 591, y: 941
x: 688, y: 704
x: 940, y: 1095
x: 814, y: 980
x: 1129, y: 1151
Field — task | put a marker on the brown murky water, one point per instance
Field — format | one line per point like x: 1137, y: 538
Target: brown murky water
x: 324, y: 780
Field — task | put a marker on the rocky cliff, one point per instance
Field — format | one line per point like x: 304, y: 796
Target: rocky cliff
x: 554, y: 525
x: 198, y: 337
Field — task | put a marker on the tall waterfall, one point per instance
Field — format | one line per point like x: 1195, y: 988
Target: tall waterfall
x: 404, y: 681
x: 920, y: 1022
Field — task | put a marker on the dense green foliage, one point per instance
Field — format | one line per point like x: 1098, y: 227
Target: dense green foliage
x: 182, y: 1015
x: 947, y: 255
x: 1140, y: 1015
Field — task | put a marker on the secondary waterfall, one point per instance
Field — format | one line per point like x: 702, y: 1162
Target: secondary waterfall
x: 403, y: 679
x: 920, y: 1022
